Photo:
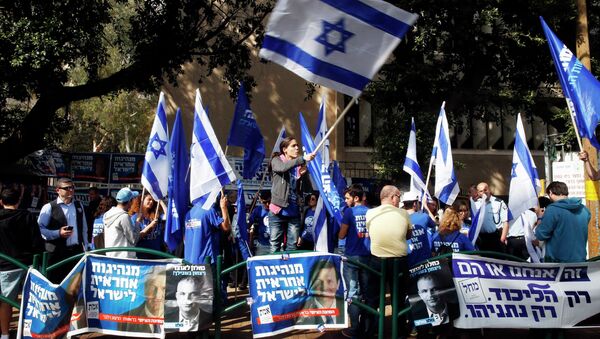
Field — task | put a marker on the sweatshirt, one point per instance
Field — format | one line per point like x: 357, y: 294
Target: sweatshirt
x: 19, y: 237
x: 564, y: 228
x: 119, y: 231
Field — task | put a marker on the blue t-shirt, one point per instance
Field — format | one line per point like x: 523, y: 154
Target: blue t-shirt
x: 202, y: 229
x: 423, y: 219
x: 357, y: 238
x: 419, y: 245
x: 260, y: 216
x: 309, y: 222
x: 152, y: 240
x: 98, y: 228
x: 292, y: 209
x: 462, y: 242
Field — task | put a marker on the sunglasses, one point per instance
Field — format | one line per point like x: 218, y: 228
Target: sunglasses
x: 67, y: 188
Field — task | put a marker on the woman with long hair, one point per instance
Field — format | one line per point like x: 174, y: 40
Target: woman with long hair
x: 151, y: 226
x: 98, y: 228
x: 448, y: 234
x: 287, y: 167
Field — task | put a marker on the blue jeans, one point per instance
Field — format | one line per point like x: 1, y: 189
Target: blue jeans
x: 359, y: 285
x: 279, y: 224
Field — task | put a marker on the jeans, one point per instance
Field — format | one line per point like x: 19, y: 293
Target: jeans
x: 280, y: 224
x: 358, y: 285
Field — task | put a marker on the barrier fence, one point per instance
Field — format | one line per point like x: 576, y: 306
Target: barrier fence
x: 219, y: 273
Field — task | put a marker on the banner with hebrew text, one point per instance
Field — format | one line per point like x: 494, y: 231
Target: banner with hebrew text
x: 505, y: 294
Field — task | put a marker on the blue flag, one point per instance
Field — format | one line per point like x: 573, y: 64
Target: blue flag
x: 524, y: 183
x: 242, y: 239
x: 338, y: 178
x: 338, y: 44
x: 446, y: 184
x: 178, y: 187
x: 157, y: 164
x: 581, y: 89
x: 320, y: 176
x: 244, y: 132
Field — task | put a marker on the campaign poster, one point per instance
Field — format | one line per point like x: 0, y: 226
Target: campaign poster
x: 432, y: 295
x: 126, y: 168
x: 91, y: 167
x: 296, y: 291
x: 189, y: 298
x: 47, y: 308
x: 124, y: 296
x: 505, y: 294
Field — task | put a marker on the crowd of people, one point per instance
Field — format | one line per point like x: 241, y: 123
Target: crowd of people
x: 399, y: 227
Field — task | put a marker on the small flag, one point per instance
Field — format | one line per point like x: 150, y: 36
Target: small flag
x: 411, y: 165
x: 242, y: 225
x: 178, y: 186
x: 157, y: 164
x: 244, y: 132
x: 320, y: 227
x: 524, y: 183
x: 446, y: 185
x: 581, y: 89
x: 338, y: 44
x: 477, y: 222
x: 209, y: 169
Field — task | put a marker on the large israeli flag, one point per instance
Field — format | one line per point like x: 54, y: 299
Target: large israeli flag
x: 321, y: 131
x: 446, y: 185
x: 524, y: 183
x: 338, y: 44
x: 411, y: 165
x: 209, y: 169
x: 157, y: 162
x: 320, y: 227
x: 581, y: 89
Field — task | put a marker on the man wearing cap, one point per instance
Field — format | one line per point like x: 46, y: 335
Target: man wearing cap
x: 419, y: 244
x: 64, y: 228
x: 119, y: 231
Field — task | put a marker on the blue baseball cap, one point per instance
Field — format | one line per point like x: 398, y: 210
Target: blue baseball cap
x: 126, y: 194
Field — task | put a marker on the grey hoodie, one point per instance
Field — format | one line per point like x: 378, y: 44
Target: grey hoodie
x: 119, y: 231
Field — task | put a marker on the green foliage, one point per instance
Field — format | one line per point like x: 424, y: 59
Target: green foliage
x: 484, y: 58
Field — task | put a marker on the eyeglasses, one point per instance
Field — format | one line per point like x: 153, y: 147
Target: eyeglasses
x: 67, y: 188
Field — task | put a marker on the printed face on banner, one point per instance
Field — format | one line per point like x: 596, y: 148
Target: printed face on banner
x: 302, y: 291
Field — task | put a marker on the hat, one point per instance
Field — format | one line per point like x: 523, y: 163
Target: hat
x: 126, y: 194
x: 410, y: 196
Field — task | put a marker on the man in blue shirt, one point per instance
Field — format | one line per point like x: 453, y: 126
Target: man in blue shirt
x: 259, y: 219
x: 358, y: 248
x: 494, y: 229
x: 419, y: 245
x: 202, y: 229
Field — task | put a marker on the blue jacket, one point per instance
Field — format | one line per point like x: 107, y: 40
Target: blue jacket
x: 564, y: 228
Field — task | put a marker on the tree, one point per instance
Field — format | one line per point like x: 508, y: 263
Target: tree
x: 484, y: 58
x: 42, y: 41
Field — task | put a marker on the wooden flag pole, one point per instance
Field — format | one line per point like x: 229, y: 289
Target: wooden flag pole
x: 346, y: 109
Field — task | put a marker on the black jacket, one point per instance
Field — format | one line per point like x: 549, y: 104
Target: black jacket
x: 20, y: 237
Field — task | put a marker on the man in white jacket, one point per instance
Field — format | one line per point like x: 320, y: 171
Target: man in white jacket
x: 119, y: 231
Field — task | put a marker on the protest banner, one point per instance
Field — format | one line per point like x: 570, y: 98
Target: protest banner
x: 126, y: 168
x: 92, y: 167
x: 296, y: 291
x: 504, y: 294
x: 431, y: 294
x: 189, y: 298
x: 46, y: 308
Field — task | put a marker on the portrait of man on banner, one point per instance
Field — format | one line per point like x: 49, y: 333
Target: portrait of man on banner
x: 432, y: 294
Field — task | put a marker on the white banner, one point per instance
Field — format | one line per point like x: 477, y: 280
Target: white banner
x: 503, y: 294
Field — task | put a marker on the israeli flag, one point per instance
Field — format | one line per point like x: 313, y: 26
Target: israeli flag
x: 157, y: 162
x: 320, y: 227
x: 411, y: 165
x: 581, y: 89
x: 321, y: 131
x: 446, y: 185
x: 524, y: 183
x: 280, y: 138
x: 337, y: 44
x: 209, y: 169
x: 477, y: 222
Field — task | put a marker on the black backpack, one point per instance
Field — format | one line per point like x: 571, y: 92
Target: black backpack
x: 445, y: 249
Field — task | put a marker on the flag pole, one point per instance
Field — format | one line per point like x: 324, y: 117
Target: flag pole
x: 572, y: 114
x: 262, y: 181
x: 346, y: 109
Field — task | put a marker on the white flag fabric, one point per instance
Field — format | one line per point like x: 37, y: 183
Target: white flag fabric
x: 210, y: 170
x: 411, y: 165
x: 321, y: 131
x: 338, y: 44
x: 280, y: 137
x: 157, y: 162
x: 320, y: 227
x: 524, y: 183
x: 446, y: 185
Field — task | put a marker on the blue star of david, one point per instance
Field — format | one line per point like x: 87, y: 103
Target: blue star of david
x: 156, y: 142
x: 331, y: 46
x: 513, y: 171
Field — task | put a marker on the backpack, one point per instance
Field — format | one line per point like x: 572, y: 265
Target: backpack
x: 445, y: 249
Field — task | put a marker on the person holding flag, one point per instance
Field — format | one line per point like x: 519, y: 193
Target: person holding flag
x: 287, y: 167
